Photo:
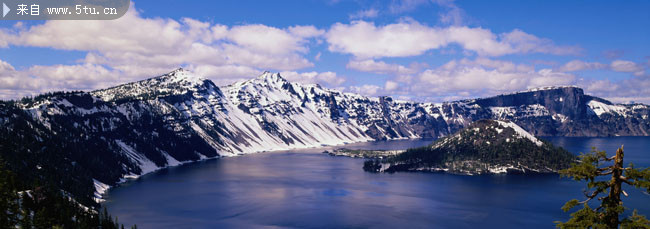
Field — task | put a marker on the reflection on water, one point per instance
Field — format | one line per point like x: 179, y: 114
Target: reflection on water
x: 308, y: 189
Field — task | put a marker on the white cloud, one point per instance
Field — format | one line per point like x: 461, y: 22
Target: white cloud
x: 634, y: 89
x: 306, y: 31
x: 273, y: 40
x: 224, y: 74
x: 627, y: 66
x: 38, y: 79
x: 410, y: 38
x: 480, y: 77
x: 500, y: 65
x: 391, y: 85
x: 365, y: 40
x: 6, y: 67
x: 326, y: 78
x: 523, y: 42
x: 381, y: 67
x: 452, y: 14
x: 449, y: 13
x: 369, y: 13
x: 136, y: 47
x: 600, y: 86
x: 367, y: 90
x: 578, y: 65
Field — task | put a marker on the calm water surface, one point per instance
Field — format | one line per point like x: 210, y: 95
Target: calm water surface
x: 308, y: 189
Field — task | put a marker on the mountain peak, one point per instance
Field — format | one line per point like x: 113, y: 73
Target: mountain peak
x: 180, y: 69
x: 177, y: 81
x: 271, y: 77
x: 181, y: 74
x: 492, y: 132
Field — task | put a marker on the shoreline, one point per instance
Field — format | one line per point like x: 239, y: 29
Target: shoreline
x: 104, y: 188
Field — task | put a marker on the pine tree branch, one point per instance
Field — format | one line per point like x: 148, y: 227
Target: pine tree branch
x: 624, y: 179
x: 589, y: 196
x: 606, y: 173
x: 604, y: 168
x: 609, y: 158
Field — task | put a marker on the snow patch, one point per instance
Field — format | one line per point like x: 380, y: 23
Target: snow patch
x: 521, y: 132
x: 146, y: 165
x: 560, y: 117
x: 100, y: 189
x: 601, y: 108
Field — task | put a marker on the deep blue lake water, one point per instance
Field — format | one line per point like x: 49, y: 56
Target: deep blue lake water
x: 308, y: 189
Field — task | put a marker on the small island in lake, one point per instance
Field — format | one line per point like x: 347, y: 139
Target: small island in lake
x: 484, y: 147
x: 361, y: 153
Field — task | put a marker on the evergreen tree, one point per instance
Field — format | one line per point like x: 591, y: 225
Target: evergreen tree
x: 8, y: 199
x: 593, y: 166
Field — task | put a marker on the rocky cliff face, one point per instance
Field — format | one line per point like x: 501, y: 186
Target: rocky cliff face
x: 179, y: 117
x: 567, y: 111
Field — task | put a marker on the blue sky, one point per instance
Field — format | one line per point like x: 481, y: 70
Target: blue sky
x: 424, y: 50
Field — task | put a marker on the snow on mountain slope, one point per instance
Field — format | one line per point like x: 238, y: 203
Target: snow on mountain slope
x: 520, y: 132
x: 600, y: 108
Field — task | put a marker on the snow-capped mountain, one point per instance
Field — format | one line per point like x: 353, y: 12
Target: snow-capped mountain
x: 138, y: 127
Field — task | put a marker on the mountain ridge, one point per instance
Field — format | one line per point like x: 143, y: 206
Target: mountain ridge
x: 178, y: 117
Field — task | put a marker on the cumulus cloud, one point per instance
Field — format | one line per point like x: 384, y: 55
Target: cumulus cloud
x: 365, y: 40
x: 480, y: 77
x: 135, y: 35
x: 225, y: 74
x: 635, y: 89
x: 406, y: 38
x: 367, y: 90
x: 324, y: 78
x: 391, y: 85
x: 135, y: 47
x: 467, y: 78
x: 600, y: 86
x: 272, y: 40
x: 38, y: 79
x: 492, y: 81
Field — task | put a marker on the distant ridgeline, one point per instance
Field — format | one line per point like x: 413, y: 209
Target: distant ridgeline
x: 84, y: 142
x: 485, y: 146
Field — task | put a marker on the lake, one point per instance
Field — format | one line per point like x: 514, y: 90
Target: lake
x: 309, y: 189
